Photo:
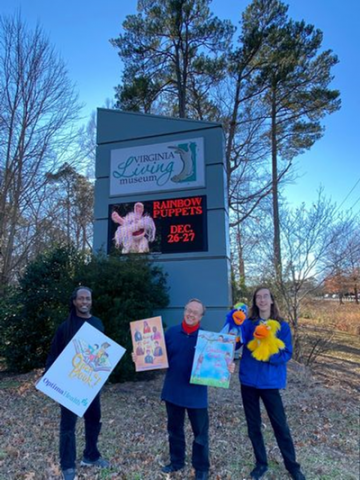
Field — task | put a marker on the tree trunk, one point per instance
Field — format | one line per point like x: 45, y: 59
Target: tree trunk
x: 356, y: 291
x: 275, y: 193
x: 241, y: 256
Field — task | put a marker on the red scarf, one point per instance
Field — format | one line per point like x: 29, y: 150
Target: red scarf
x: 190, y: 328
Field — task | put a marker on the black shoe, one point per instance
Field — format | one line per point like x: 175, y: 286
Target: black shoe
x: 298, y: 475
x: 170, y: 468
x: 258, y: 472
x: 201, y: 475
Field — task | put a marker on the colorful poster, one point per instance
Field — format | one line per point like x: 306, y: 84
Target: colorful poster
x: 78, y: 374
x: 149, y: 344
x: 214, y: 352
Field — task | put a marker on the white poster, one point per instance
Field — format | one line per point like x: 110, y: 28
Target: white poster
x: 78, y: 374
x: 154, y: 168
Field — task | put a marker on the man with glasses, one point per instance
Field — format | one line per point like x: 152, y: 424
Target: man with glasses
x: 180, y: 395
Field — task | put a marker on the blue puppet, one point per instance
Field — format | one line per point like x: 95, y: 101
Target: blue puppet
x: 234, y: 319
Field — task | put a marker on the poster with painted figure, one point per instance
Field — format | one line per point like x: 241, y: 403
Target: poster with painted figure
x: 80, y: 371
x: 149, y: 349
x: 214, y: 353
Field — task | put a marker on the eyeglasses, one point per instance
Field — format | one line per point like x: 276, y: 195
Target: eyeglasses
x: 193, y: 312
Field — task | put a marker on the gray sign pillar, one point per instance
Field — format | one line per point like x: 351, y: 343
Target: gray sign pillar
x: 145, y: 158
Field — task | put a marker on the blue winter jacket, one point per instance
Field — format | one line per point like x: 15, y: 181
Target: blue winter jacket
x: 270, y: 374
x: 177, y: 388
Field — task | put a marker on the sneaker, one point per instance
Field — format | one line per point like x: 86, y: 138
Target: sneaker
x: 258, y: 472
x: 100, y: 462
x: 298, y: 475
x: 171, y: 468
x: 68, y: 474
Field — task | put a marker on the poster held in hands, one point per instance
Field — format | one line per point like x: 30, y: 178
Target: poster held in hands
x: 80, y: 371
x: 149, y: 344
x: 214, y: 352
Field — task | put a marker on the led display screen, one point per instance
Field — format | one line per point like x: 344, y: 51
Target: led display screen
x: 174, y: 225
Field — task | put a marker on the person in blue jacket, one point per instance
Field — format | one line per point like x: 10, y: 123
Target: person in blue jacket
x: 262, y: 380
x: 181, y: 396
x: 80, y: 307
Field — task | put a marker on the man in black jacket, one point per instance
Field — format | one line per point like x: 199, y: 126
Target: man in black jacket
x: 80, y: 307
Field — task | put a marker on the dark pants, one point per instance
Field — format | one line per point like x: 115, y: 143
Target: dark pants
x: 67, y: 434
x: 199, y: 421
x: 275, y: 410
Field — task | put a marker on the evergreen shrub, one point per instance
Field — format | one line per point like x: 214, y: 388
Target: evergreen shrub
x: 31, y: 312
x: 125, y: 288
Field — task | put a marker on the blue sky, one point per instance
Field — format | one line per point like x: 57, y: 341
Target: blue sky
x: 80, y: 31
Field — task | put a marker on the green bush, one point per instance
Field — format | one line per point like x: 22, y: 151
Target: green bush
x: 30, y: 313
x: 124, y: 289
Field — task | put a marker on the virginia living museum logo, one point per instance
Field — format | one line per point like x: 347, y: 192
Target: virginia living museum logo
x: 165, y: 166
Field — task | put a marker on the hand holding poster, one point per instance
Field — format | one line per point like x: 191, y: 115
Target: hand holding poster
x: 78, y: 374
x: 214, y: 352
x: 148, y: 344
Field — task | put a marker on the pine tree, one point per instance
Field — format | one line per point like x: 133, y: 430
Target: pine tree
x: 293, y: 74
x: 173, y: 53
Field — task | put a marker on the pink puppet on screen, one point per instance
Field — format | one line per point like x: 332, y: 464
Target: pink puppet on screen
x: 135, y: 230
